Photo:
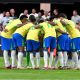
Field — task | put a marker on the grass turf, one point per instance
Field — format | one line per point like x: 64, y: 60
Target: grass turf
x: 27, y: 74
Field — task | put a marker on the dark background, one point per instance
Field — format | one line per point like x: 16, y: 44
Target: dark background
x: 39, y: 1
x: 66, y: 6
x: 19, y: 7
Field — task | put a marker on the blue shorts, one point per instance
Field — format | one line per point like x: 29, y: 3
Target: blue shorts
x: 49, y: 42
x: 18, y: 40
x: 75, y: 44
x: 63, y: 43
x: 7, y: 44
x: 32, y: 45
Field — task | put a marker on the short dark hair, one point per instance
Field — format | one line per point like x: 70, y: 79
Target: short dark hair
x: 75, y: 10
x: 51, y: 18
x: 22, y: 17
x: 32, y: 18
x: 62, y: 15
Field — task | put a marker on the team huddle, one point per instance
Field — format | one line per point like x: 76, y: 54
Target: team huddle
x: 56, y: 33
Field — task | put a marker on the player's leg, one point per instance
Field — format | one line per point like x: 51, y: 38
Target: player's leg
x: 79, y: 58
x: 13, y: 57
x: 27, y: 58
x: 46, y: 45
x: 13, y: 54
x: 5, y: 48
x: 20, y: 56
x: 75, y: 59
x: 45, y: 58
x: 52, y: 47
x: 20, y: 43
x: 60, y: 47
x: 65, y: 56
x: 66, y: 49
x: 6, y: 59
x: 37, y: 59
x: 75, y: 45
x: 36, y: 49
x: 56, y: 61
x: 30, y: 50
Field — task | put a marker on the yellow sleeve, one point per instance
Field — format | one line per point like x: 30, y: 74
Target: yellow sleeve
x: 13, y: 24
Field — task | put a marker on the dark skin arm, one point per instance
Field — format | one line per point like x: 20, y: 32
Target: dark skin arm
x: 37, y: 26
x: 19, y: 25
x: 59, y: 30
x: 52, y: 23
x: 64, y: 22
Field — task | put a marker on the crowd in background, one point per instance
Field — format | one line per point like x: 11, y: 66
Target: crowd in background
x: 6, y: 16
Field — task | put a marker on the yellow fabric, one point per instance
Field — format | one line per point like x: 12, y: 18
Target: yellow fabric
x: 33, y: 34
x: 59, y: 26
x: 74, y: 33
x: 24, y: 29
x: 48, y: 29
x: 11, y: 27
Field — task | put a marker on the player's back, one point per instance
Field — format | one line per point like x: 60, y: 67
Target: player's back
x: 24, y: 29
x: 59, y: 26
x: 33, y: 34
x: 11, y: 27
x: 72, y: 29
x: 48, y: 29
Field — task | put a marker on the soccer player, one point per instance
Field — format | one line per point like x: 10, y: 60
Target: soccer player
x: 19, y: 40
x: 75, y: 38
x: 62, y: 43
x: 78, y: 27
x: 7, y: 43
x: 48, y: 42
x: 33, y: 44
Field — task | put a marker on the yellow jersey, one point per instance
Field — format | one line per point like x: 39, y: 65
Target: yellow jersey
x: 11, y: 27
x: 59, y: 26
x: 73, y: 32
x: 24, y: 29
x: 33, y: 34
x: 49, y: 30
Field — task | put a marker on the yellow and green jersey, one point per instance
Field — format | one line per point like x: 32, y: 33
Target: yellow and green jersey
x: 33, y: 34
x: 24, y: 29
x: 73, y: 32
x: 59, y: 26
x: 49, y: 30
x: 11, y: 27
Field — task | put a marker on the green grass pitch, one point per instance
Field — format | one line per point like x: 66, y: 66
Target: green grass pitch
x: 27, y: 74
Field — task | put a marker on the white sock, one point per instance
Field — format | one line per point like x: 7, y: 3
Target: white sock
x: 20, y: 59
x: 65, y: 56
x: 38, y: 58
x: 60, y: 58
x: 79, y: 63
x: 56, y: 61
x: 6, y: 58
x: 13, y: 57
x: 75, y: 58
x: 45, y: 59
x: 50, y: 59
x: 32, y: 60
